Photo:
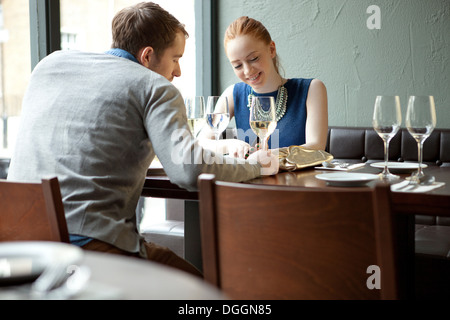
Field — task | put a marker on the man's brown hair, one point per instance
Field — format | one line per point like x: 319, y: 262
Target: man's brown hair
x: 145, y: 25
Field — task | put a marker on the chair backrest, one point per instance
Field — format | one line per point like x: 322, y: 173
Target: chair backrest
x: 273, y: 242
x: 32, y: 212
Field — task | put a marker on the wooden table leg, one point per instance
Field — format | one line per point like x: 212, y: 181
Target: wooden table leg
x: 192, y: 239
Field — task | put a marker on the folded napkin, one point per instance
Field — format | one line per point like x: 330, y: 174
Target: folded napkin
x: 295, y: 157
x: 345, y: 169
x: 403, y: 187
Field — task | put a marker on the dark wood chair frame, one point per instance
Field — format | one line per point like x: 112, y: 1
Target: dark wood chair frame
x: 32, y: 211
x: 272, y: 242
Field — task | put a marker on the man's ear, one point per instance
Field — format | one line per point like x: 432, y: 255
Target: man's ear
x: 145, y: 56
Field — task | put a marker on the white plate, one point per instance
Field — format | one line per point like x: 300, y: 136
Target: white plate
x: 346, y: 179
x: 399, y: 167
x: 23, y: 262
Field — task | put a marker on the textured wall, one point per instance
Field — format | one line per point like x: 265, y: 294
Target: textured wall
x: 330, y: 40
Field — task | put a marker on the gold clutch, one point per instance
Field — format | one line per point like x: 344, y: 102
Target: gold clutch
x: 295, y: 157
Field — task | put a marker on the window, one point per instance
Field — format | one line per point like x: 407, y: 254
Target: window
x: 69, y: 40
x: 39, y: 27
x: 86, y: 25
x: 15, y: 68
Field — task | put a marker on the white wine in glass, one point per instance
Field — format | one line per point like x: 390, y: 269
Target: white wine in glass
x: 195, y: 110
x: 263, y: 119
x: 217, y: 114
x: 420, y: 122
x: 387, y: 119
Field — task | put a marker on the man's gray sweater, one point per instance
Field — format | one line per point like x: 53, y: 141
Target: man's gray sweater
x: 96, y: 121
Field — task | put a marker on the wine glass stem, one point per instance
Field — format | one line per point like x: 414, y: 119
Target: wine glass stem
x: 264, y: 143
x: 420, y: 157
x: 217, y: 135
x: 386, y: 156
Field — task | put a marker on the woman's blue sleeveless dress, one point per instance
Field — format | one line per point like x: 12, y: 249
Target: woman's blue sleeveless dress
x: 290, y: 129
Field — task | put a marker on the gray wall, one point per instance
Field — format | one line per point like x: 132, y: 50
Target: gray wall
x: 330, y: 40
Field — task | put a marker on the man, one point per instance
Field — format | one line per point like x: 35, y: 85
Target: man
x: 96, y: 121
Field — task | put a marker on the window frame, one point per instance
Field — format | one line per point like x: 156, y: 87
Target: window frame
x: 207, y: 47
x: 45, y: 29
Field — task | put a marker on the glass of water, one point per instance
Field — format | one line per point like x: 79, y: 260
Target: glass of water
x: 217, y: 114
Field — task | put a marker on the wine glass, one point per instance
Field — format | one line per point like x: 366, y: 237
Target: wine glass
x: 387, y: 118
x: 420, y: 121
x: 217, y: 114
x: 195, y: 110
x: 263, y: 119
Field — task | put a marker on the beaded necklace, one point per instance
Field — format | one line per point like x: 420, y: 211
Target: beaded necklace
x: 282, y: 97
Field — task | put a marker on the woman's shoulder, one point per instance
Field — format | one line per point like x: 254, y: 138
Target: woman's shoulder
x: 317, y: 85
x: 317, y: 90
x: 300, y: 81
x: 305, y: 83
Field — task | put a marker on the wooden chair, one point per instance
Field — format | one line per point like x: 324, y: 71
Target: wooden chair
x: 32, y: 212
x: 272, y: 242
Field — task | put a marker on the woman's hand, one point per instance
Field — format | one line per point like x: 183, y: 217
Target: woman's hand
x: 270, y: 163
x: 237, y: 148
x: 233, y: 147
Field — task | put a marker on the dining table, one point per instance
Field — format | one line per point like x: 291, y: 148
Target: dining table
x: 128, y: 278
x: 405, y: 204
x: 104, y: 276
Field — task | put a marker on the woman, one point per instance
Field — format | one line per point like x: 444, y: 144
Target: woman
x: 302, y: 107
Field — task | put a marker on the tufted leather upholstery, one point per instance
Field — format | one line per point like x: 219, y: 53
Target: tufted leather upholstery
x: 432, y: 236
x: 364, y: 144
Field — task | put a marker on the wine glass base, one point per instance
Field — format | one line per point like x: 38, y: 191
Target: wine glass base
x: 423, y: 179
x: 388, y: 177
